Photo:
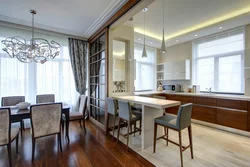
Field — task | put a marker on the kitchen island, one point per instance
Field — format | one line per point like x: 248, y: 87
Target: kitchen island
x: 151, y: 108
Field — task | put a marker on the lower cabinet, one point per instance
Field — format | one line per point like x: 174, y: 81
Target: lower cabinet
x: 232, y: 118
x: 202, y: 113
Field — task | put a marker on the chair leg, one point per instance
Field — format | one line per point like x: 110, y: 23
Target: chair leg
x: 190, y: 141
x: 180, y: 141
x: 33, y: 147
x: 63, y: 125
x: 129, y: 125
x: 140, y: 127
x: 80, y: 123
x: 59, y: 141
x: 118, y: 130
x: 166, y: 133
x: 17, y: 139
x: 134, y: 128
x: 83, y: 120
x: 9, y: 154
x: 114, y: 126
x: 155, y: 135
x: 107, y: 124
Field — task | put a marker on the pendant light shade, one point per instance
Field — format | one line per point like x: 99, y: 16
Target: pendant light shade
x: 163, y: 44
x: 144, y: 51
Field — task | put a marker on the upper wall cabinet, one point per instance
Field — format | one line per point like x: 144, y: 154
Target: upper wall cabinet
x: 177, y: 70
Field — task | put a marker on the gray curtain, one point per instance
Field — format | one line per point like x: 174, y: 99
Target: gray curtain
x: 78, y: 58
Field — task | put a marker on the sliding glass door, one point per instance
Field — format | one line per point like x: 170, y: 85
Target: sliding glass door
x: 98, y: 78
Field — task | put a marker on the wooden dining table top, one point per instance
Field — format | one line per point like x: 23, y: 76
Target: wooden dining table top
x: 16, y: 111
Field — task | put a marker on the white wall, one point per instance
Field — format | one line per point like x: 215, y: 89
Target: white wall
x: 123, y: 33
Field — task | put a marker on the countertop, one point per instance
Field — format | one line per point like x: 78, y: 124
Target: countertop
x: 212, y: 95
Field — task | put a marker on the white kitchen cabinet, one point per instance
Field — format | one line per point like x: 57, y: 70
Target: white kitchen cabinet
x: 177, y: 70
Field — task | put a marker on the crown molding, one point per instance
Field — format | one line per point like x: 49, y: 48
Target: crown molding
x: 108, y: 13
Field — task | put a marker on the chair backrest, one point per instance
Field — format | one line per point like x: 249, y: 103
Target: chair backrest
x: 46, y: 98
x: 112, y: 105
x: 159, y: 97
x: 184, y: 116
x: 5, y: 126
x: 125, y: 111
x: 46, y: 119
x: 83, y: 104
x: 12, y: 100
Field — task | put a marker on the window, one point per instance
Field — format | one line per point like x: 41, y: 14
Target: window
x: 55, y: 76
x: 145, y: 69
x: 219, y: 62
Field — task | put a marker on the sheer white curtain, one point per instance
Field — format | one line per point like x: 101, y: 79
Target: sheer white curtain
x: 55, y: 76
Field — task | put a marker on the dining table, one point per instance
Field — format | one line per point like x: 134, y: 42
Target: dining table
x: 18, y: 115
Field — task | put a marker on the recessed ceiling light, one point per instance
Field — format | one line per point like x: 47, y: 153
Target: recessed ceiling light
x: 151, y: 42
x: 177, y: 40
x: 196, y: 35
x: 145, y: 9
x: 139, y: 39
x: 220, y: 28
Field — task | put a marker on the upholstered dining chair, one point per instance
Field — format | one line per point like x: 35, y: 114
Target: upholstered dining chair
x: 7, y: 134
x: 177, y: 123
x: 125, y: 114
x: 13, y: 101
x: 80, y: 115
x: 112, y: 110
x: 46, y: 98
x: 45, y: 121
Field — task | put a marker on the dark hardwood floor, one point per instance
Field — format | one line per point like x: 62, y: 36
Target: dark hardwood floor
x: 91, y: 149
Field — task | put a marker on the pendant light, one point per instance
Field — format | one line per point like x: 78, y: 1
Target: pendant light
x: 144, y: 52
x: 163, y: 44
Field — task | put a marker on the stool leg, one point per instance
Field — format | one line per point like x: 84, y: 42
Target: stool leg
x: 118, y: 130
x: 107, y: 124
x: 129, y: 125
x: 155, y: 133
x: 134, y: 128
x: 190, y: 141
x: 180, y: 148
x: 140, y: 128
x: 114, y: 127
x: 166, y: 133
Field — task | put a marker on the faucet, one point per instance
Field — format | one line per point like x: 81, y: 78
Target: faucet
x: 209, y: 90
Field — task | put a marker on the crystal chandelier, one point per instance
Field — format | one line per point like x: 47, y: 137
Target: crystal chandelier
x: 35, y: 50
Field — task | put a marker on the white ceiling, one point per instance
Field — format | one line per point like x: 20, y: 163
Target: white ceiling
x: 184, y: 14
x: 74, y: 17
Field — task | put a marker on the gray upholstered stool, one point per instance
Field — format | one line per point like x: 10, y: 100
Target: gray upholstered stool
x: 177, y: 123
x: 125, y: 114
x: 112, y: 109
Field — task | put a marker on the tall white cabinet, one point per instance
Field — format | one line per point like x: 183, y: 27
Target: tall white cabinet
x: 174, y: 70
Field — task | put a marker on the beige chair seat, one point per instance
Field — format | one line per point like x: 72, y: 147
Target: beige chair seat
x: 75, y: 115
x: 14, y: 133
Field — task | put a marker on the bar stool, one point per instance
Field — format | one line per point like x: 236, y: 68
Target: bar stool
x: 125, y: 114
x: 177, y: 123
x: 112, y: 109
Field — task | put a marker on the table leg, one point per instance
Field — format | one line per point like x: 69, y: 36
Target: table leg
x: 67, y: 125
x: 148, y: 116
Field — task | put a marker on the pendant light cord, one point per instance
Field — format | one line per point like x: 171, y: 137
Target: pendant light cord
x: 144, y: 26
x: 163, y: 14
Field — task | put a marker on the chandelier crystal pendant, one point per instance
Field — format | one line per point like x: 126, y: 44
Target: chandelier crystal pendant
x: 144, y: 51
x: 163, y: 44
x: 37, y: 50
